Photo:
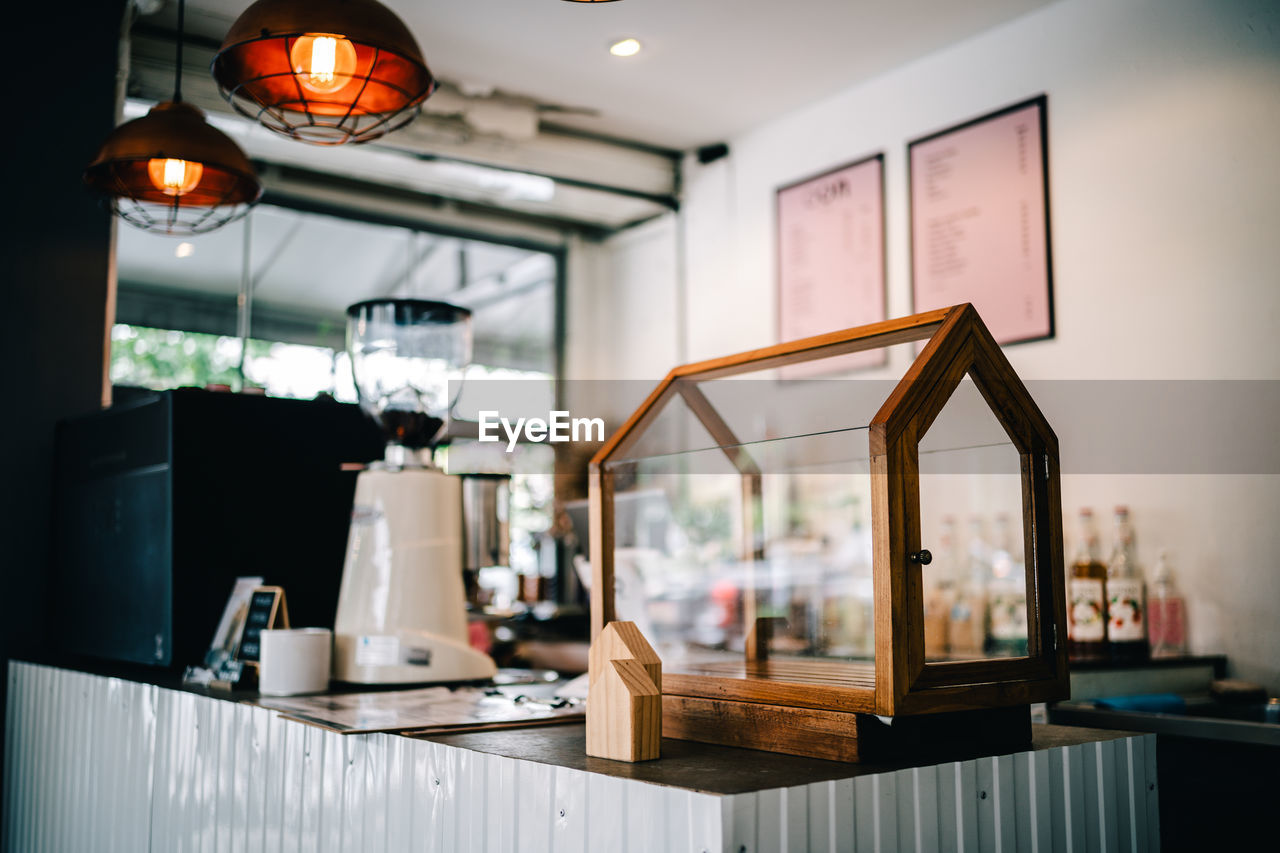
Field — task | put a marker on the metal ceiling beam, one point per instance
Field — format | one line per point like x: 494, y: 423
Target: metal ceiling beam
x: 353, y: 198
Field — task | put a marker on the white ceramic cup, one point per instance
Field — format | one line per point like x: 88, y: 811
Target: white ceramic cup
x: 294, y: 660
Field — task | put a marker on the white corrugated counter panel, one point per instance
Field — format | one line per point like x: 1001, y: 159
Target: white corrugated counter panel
x: 102, y: 764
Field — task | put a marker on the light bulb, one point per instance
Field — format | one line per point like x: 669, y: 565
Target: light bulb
x: 323, y: 63
x: 174, y: 177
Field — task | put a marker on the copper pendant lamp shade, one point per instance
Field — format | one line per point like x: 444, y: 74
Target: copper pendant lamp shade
x: 171, y: 171
x: 323, y: 71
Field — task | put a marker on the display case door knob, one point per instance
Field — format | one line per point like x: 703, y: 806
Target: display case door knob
x: 923, y: 557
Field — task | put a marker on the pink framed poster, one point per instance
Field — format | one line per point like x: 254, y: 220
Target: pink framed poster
x: 831, y: 271
x: 979, y: 195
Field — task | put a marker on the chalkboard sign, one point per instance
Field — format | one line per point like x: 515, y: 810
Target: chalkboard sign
x: 265, y: 606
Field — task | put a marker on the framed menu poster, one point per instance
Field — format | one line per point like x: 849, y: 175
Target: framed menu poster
x: 831, y: 257
x: 980, y: 221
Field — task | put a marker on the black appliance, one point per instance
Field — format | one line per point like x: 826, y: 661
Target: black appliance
x: 163, y: 501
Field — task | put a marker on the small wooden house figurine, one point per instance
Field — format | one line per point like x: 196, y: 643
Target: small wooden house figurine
x: 624, y: 707
x: 783, y: 538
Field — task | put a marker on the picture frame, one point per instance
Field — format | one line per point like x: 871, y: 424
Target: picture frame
x: 980, y: 227
x: 831, y: 268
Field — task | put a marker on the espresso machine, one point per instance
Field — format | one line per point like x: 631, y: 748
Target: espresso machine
x: 402, y: 607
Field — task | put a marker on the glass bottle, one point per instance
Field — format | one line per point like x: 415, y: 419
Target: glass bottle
x: 1166, y: 613
x: 1006, y: 595
x: 1086, y: 596
x: 968, y: 628
x: 940, y: 594
x: 1126, y: 596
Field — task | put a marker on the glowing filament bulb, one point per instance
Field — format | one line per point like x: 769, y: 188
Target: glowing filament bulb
x: 174, y: 177
x: 323, y: 57
x: 323, y: 63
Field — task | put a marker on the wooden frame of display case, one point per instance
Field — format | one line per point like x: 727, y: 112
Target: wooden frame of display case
x: 824, y: 708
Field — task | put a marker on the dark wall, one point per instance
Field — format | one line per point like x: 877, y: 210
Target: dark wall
x: 56, y: 267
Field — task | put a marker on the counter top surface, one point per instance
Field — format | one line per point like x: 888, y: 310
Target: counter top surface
x: 693, y: 766
x: 721, y: 769
x: 172, y: 680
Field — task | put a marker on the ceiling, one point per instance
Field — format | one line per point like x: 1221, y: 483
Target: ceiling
x: 709, y: 69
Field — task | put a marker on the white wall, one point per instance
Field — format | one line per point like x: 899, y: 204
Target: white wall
x: 622, y: 305
x: 1164, y: 134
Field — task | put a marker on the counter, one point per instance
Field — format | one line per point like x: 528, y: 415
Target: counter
x: 1216, y: 764
x: 101, y: 762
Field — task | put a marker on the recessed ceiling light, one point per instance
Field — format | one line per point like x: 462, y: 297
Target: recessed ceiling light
x: 626, y: 47
x: 184, y: 250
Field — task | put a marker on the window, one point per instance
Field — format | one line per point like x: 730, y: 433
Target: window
x: 297, y: 272
x: 144, y: 357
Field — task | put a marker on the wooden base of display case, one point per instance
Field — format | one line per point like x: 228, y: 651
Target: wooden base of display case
x: 840, y: 735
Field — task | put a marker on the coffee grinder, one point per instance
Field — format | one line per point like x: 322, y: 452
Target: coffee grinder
x: 402, y: 608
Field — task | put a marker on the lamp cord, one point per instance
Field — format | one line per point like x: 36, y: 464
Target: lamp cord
x: 177, y: 77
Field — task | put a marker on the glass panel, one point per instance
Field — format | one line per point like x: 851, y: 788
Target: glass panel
x: 674, y: 431
x: 705, y: 552
x: 975, y: 590
x: 808, y: 397
x: 304, y: 269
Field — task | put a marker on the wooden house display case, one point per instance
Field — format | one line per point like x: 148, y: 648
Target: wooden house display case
x: 834, y: 559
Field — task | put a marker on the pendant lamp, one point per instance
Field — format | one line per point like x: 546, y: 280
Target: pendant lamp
x: 171, y: 171
x: 323, y: 71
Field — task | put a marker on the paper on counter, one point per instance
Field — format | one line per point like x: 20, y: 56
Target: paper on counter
x: 422, y: 710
